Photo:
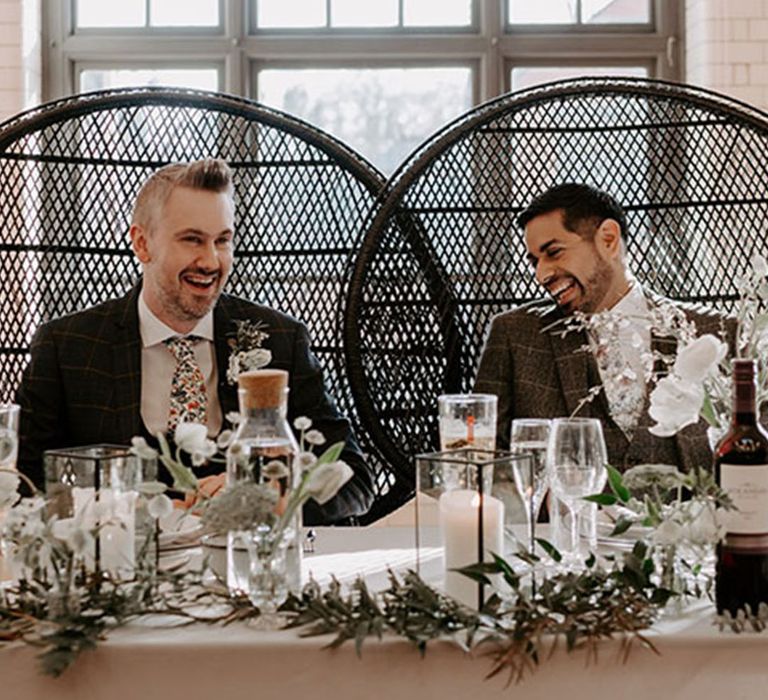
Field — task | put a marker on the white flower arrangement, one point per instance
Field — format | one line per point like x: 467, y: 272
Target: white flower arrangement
x: 678, y: 515
x: 247, y: 353
x: 699, y: 382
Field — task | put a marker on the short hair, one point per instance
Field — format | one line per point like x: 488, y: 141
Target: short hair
x: 584, y: 208
x: 211, y: 174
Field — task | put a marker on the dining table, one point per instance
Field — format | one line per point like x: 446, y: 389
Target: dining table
x: 154, y: 658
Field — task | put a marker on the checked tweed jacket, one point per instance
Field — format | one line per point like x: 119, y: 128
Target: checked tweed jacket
x: 83, y: 386
x: 538, y: 374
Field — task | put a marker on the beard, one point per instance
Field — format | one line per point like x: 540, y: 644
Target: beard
x: 181, y: 303
x: 595, y: 289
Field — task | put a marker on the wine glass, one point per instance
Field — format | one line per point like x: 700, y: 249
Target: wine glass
x: 530, y: 436
x: 576, y: 459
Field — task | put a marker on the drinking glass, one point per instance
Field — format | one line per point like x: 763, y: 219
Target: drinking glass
x: 576, y: 459
x: 530, y: 436
x: 467, y: 420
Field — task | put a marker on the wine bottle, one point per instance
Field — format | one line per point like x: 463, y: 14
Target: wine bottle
x: 741, y: 469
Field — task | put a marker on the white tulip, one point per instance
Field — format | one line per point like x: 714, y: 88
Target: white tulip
x: 698, y: 359
x: 675, y: 403
x: 193, y: 438
x: 141, y: 449
x: 160, y: 506
x: 325, y: 480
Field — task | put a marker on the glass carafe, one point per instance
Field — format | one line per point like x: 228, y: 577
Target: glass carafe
x: 264, y: 452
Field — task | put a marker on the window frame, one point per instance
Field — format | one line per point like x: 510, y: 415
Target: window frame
x: 489, y: 44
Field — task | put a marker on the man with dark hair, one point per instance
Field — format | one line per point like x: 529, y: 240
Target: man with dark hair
x: 139, y: 364
x: 575, y: 241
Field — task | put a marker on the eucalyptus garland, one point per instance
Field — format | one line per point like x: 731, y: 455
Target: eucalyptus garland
x: 617, y: 599
x: 519, y: 629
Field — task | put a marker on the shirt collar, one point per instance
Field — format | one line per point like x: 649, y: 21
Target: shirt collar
x: 153, y: 331
x: 633, y: 304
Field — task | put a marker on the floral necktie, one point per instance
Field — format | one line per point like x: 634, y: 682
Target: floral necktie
x: 189, y: 401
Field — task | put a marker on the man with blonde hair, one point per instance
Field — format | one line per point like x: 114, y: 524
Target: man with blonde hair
x: 140, y: 364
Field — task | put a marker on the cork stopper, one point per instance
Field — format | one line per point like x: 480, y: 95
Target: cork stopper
x: 263, y: 388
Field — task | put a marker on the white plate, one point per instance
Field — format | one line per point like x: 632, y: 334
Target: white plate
x: 180, y: 529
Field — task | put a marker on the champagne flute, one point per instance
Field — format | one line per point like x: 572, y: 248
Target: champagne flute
x: 530, y: 436
x: 576, y: 459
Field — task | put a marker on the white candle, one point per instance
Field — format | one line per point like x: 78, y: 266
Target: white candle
x: 458, y: 529
x: 116, y: 516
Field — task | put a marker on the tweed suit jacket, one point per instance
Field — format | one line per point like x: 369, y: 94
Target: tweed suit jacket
x: 540, y: 374
x: 83, y: 386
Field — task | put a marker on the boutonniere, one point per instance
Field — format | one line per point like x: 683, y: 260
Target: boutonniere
x: 247, y: 353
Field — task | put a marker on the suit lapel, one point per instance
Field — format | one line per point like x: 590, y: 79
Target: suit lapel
x: 572, y: 363
x: 126, y: 366
x: 223, y: 331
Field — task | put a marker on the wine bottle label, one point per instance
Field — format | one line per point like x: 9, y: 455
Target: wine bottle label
x: 748, y: 489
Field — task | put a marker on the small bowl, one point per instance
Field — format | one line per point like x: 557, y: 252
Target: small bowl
x: 215, y: 554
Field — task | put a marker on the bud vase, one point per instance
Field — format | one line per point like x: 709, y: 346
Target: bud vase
x: 268, y: 581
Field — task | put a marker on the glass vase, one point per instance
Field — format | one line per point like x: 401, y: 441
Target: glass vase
x: 268, y: 581
x: 669, y: 574
x: 264, y: 451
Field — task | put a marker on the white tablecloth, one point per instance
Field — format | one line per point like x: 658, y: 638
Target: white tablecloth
x: 145, y: 661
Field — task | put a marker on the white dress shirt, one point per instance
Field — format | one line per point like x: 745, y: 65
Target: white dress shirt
x: 158, y: 366
x: 621, y: 343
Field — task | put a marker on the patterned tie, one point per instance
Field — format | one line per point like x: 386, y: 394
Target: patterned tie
x: 189, y: 401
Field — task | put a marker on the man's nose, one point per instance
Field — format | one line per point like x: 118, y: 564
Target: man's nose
x: 209, y: 256
x: 543, y: 271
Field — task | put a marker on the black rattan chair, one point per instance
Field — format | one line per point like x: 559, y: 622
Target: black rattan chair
x: 442, y: 253
x: 70, y: 171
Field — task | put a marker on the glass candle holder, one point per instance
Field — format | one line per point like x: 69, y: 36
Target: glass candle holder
x: 96, y: 487
x: 467, y: 420
x: 457, y: 487
x: 9, y: 435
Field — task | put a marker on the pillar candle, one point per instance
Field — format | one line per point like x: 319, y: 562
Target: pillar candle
x: 458, y: 529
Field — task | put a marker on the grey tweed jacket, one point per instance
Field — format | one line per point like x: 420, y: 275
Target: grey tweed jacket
x: 83, y: 386
x: 539, y: 374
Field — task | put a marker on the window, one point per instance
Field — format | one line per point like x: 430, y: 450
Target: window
x: 384, y: 113
x: 381, y: 75
x: 579, y: 12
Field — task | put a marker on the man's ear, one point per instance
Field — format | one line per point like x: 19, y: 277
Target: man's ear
x: 608, y: 238
x: 139, y: 243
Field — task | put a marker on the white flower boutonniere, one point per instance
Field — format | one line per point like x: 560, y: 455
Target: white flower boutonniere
x: 247, y: 353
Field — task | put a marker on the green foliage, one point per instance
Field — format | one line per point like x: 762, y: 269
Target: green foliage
x: 581, y: 609
x: 617, y: 484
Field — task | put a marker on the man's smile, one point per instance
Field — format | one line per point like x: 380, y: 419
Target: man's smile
x: 201, y: 281
x: 563, y: 290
